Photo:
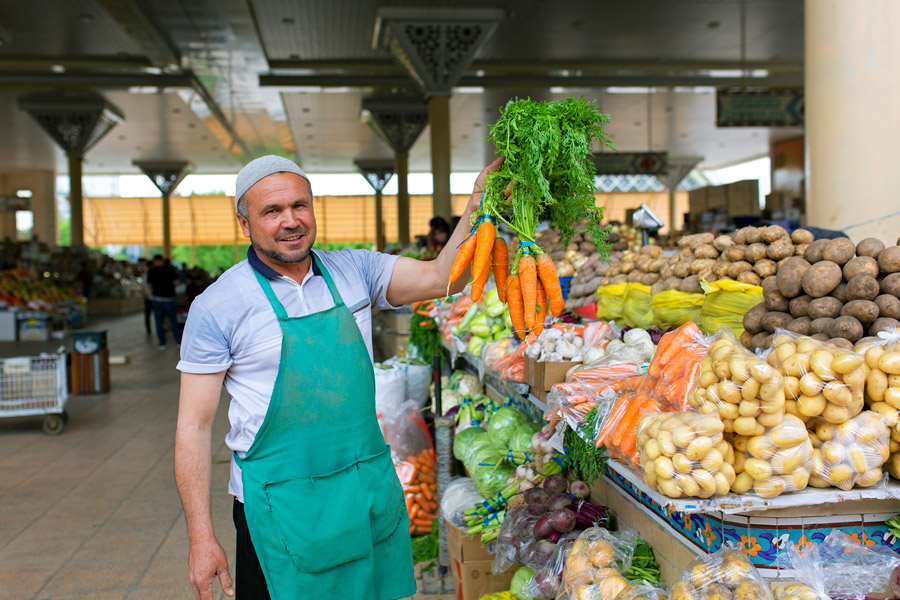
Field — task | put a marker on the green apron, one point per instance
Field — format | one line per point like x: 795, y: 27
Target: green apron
x: 324, y: 507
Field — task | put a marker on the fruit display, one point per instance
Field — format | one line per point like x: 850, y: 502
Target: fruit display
x: 850, y: 454
x: 778, y: 461
x: 725, y: 574
x: 22, y: 288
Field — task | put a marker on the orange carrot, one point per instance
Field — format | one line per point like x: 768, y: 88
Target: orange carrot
x: 550, y: 279
x: 479, y: 283
x: 481, y: 262
x: 516, y: 307
x: 528, y: 285
x: 542, y: 310
x: 462, y: 260
x: 501, y: 266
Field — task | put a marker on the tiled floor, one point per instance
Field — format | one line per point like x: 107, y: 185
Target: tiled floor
x: 94, y: 513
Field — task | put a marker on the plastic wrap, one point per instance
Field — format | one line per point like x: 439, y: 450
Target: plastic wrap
x: 840, y: 567
x: 594, y: 565
x: 571, y: 401
x: 780, y: 460
x: 882, y: 388
x: 642, y: 592
x: 547, y: 581
x: 459, y: 495
x: 685, y: 455
x: 512, y: 366
x: 797, y: 591
x: 820, y: 380
x: 636, y: 311
x: 675, y: 367
x: 726, y: 573
x: 596, y: 333
x: 674, y: 308
x: 746, y: 392
x: 609, y: 302
x: 850, y: 454
x: 494, y: 351
x: 725, y: 303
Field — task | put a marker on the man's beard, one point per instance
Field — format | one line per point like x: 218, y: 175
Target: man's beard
x: 278, y: 256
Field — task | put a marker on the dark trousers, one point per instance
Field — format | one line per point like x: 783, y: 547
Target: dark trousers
x: 249, y: 581
x: 148, y: 310
x: 165, y: 309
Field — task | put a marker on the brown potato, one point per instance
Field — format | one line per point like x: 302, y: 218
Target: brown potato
x: 749, y: 277
x: 651, y: 251
x: 802, y: 236
x: 618, y: 279
x: 706, y: 251
x: 722, y: 242
x: 682, y: 268
x: 649, y: 278
x: 847, y: 328
x: 815, y: 250
x: 799, y: 306
x: 839, y: 251
x: 755, y: 252
x: 861, y: 265
x: 780, y: 248
x: 635, y: 276
x: 883, y: 324
x: 745, y: 338
x: 801, y: 326
x: 820, y: 325
x: 774, y: 320
x: 773, y: 232
x: 821, y: 278
x: 721, y: 269
x: 753, y: 318
x: 754, y: 235
x: 822, y: 337
x: 765, y: 268
x: 870, y: 247
x: 739, y: 267
x: 740, y: 236
x: 735, y: 253
x: 702, y: 264
x: 841, y: 343
x: 863, y: 287
x: 656, y: 288
x: 790, y: 276
x: 800, y: 249
x: 840, y: 292
x: 891, y: 284
x: 889, y: 260
x: 888, y: 306
x: 759, y: 340
x: 691, y: 285
x: 773, y: 298
x: 826, y: 307
x: 863, y: 311
x: 656, y: 265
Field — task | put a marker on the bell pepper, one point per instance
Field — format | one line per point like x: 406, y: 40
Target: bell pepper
x: 474, y: 346
x: 480, y: 326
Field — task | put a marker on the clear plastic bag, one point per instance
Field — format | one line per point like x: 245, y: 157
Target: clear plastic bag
x: 674, y: 308
x: 596, y: 333
x: 609, y: 302
x: 547, y: 581
x: 685, y: 455
x: 675, y: 367
x: 594, y: 565
x: 850, y: 454
x: 642, y: 592
x: 746, y: 392
x: 797, y: 591
x: 726, y: 573
x: 840, y: 567
x: 780, y: 460
x: 820, y: 379
x: 882, y: 389
x: 459, y: 495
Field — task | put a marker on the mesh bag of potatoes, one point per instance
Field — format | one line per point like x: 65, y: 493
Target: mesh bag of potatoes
x: 849, y: 454
x: 724, y: 304
x: 780, y: 460
x: 595, y: 564
x: 674, y: 308
x: 685, y: 455
x: 820, y: 380
x: 882, y: 389
x: 744, y: 390
x: 726, y: 574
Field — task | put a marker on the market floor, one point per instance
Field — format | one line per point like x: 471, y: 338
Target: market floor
x: 93, y: 513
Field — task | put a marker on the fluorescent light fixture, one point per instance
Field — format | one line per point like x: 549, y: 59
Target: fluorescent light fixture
x: 471, y: 89
x: 628, y: 90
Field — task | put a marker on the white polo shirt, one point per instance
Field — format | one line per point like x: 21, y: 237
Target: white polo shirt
x: 231, y: 327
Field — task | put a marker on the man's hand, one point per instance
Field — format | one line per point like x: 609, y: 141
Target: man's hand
x: 479, y: 184
x: 208, y: 561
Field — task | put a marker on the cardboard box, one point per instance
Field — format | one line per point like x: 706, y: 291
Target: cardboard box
x: 542, y: 376
x: 470, y: 566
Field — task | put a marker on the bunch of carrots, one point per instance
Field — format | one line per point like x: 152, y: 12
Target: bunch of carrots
x: 579, y: 397
x: 418, y: 474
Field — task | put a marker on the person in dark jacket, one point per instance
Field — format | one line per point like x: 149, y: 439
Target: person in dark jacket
x: 161, y: 279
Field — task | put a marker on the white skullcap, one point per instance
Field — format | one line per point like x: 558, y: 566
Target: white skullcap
x: 261, y: 167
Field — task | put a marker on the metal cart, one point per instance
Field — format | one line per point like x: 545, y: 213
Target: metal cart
x: 35, y: 385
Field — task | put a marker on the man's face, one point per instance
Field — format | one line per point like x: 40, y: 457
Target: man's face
x: 280, y: 224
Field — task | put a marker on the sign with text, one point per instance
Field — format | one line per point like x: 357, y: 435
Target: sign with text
x: 759, y: 108
x: 630, y: 163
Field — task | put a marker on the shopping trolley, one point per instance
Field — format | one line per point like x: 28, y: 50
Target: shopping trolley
x: 33, y: 386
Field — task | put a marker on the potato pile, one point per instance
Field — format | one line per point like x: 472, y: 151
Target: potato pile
x: 797, y: 591
x: 642, y: 266
x: 590, y: 571
x: 781, y: 460
x: 882, y: 391
x: 583, y: 288
x: 834, y: 290
x: 567, y: 259
x: 747, y: 393
x: 851, y: 453
x: 819, y: 379
x: 684, y: 455
x: 724, y: 575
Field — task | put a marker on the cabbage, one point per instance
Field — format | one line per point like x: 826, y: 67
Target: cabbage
x: 490, y: 479
x: 488, y: 455
x: 519, y: 580
x: 504, y: 424
x: 473, y: 446
x: 521, y: 439
x: 464, y: 440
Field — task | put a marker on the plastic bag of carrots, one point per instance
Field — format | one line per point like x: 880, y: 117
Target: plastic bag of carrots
x: 512, y: 366
x: 572, y: 401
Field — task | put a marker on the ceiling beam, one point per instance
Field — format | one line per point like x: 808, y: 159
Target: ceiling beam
x: 27, y: 63
x: 35, y: 79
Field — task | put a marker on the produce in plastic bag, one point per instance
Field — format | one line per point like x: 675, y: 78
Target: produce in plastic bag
x: 841, y: 567
x: 684, y: 455
x: 504, y: 424
x: 519, y: 580
x: 547, y: 580
x: 642, y: 592
x: 780, y: 460
x: 819, y: 379
x: 747, y: 393
x: 882, y: 390
x: 726, y: 573
x: 850, y: 454
x: 512, y: 366
x: 595, y: 564
x: 725, y: 303
x: 609, y: 302
x: 418, y: 377
x: 636, y: 311
x: 597, y: 333
x: 797, y: 591
x: 674, y: 308
x: 494, y: 351
x: 675, y: 367
x: 459, y: 495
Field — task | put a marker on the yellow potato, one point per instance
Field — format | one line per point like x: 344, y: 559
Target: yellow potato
x: 707, y: 378
x: 847, y: 362
x: 651, y: 479
x: 760, y: 447
x: 884, y: 453
x: 858, y: 459
x: 723, y: 486
x: 699, y: 448
x: 723, y: 447
x: 796, y: 480
x: 729, y: 411
x: 647, y: 465
x: 820, y: 363
x: 750, y: 389
x: 772, y: 391
x: 807, y: 346
x: 825, y: 430
x: 748, y: 408
x: 893, y: 381
x: 742, y: 483
x: 747, y: 426
x: 838, y: 474
x: 769, y: 488
x: 838, y: 393
x: 666, y: 445
x: 785, y: 350
x: 729, y: 391
x: 890, y: 414
x: 708, y: 408
x: 708, y: 426
x: 705, y: 480
x: 810, y: 384
x: 791, y: 387
x: 712, y: 461
x: 762, y: 372
x: 687, y: 485
x: 738, y: 464
x: 788, y: 459
x: 817, y: 482
x: 741, y: 443
x: 790, y: 433
x: 836, y: 414
x: 791, y: 408
x: 720, y: 368
x: 664, y: 467
x: 811, y: 406
x: 889, y: 362
x: 738, y: 367
x: 795, y: 365
x: 651, y: 449
x: 728, y: 471
x: 682, y: 463
x: 670, y: 423
x: 757, y: 469
x: 892, y: 397
x: 833, y: 452
x: 682, y: 436
x: 872, y: 356
x: 856, y: 378
x: 870, y: 477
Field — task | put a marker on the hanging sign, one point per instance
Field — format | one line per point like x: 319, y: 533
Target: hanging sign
x: 630, y: 163
x: 759, y: 108
x: 14, y: 203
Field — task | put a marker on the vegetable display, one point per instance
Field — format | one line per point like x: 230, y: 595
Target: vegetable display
x: 727, y: 573
x: 418, y: 475
x: 778, y: 461
x: 882, y: 388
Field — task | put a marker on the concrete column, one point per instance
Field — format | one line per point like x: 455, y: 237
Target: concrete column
x: 852, y: 75
x: 402, y: 169
x: 43, y: 206
x: 167, y: 225
x: 76, y: 200
x: 379, y: 220
x: 439, y: 120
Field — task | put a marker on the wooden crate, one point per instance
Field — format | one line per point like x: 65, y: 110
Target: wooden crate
x: 83, y: 369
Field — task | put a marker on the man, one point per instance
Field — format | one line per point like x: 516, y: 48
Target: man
x: 161, y: 279
x: 318, y: 509
x: 439, y: 232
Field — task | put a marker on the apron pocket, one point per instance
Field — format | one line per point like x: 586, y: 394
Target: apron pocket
x: 322, y: 522
x: 388, y: 508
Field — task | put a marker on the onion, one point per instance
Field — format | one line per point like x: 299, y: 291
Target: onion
x: 580, y: 489
x: 544, y: 527
x: 562, y: 520
x: 558, y: 501
x: 521, y: 472
x: 556, y: 483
